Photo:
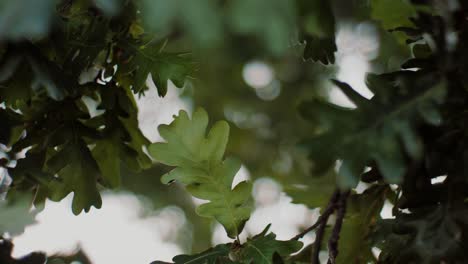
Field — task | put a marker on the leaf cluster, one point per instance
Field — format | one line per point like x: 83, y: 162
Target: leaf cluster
x: 68, y: 84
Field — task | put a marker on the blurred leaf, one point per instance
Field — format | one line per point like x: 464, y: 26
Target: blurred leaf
x: 274, y: 25
x: 322, y: 50
x: 392, y: 13
x: 25, y: 18
x: 6, y: 248
x: 262, y: 248
x: 78, y: 256
x: 376, y: 128
x: 11, y: 121
x: 138, y: 142
x: 109, y: 7
x: 200, y: 19
x: 314, y: 192
x: 106, y: 152
x: 426, y: 235
x: 16, y: 214
x: 200, y: 165
x: 318, y: 30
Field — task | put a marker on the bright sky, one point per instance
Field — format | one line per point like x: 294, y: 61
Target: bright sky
x: 118, y: 234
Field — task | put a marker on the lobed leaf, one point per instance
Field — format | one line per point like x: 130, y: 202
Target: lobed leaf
x: 199, y: 163
x: 355, y: 245
x: 381, y: 129
x: 150, y: 59
x: 215, y: 255
x: 78, y: 172
x: 263, y: 248
x: 317, y: 30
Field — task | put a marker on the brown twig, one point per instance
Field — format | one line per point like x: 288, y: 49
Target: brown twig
x: 322, y: 224
x: 323, y: 217
x: 335, y: 236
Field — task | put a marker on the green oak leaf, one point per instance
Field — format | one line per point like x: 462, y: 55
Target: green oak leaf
x: 106, y: 153
x: 395, y: 14
x: 122, y: 139
x: 138, y: 160
x: 124, y: 144
x: 150, y: 59
x: 16, y: 214
x: 380, y: 129
x: 363, y: 211
x: 430, y: 234
x: 25, y: 72
x: 318, y: 30
x: 78, y: 173
x: 215, y: 255
x: 199, y: 164
x: 392, y: 13
x: 314, y: 192
x: 262, y: 248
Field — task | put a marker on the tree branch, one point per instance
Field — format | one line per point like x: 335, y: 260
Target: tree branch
x: 322, y: 224
x: 335, y: 236
x: 324, y: 216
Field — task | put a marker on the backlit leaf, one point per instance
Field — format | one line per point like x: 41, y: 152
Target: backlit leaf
x: 198, y: 158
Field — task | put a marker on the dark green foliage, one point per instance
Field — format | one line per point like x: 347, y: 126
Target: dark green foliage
x: 379, y: 129
x: 150, y: 58
x: 265, y: 249
x: 426, y: 235
x: 262, y: 248
x: 318, y: 30
x: 362, y: 215
x: 215, y: 255
x: 44, y: 81
x: 6, y: 247
x: 70, y: 71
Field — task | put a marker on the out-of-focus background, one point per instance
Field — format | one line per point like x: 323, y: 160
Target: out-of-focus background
x: 257, y: 94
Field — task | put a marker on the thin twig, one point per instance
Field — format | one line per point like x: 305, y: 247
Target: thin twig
x: 335, y: 236
x: 328, y: 211
x: 321, y: 227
